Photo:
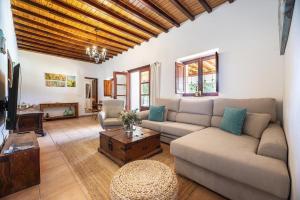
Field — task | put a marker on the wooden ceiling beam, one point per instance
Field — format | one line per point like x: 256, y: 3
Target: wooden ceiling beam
x: 54, y: 36
x: 59, y: 52
x: 119, y: 38
x: 65, y: 34
x: 139, y: 15
x: 184, y: 10
x: 52, y: 51
x: 151, y: 6
x: 25, y: 48
x: 88, y: 36
x: 37, y: 42
x: 55, y: 45
x: 50, y: 40
x: 96, y: 18
x: 100, y: 7
x: 205, y: 5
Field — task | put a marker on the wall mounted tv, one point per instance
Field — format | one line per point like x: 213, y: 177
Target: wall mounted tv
x: 8, y: 106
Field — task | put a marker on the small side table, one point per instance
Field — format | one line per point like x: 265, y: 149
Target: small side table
x: 30, y: 120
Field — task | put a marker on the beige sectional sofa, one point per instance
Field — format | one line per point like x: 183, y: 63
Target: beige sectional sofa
x: 250, y: 166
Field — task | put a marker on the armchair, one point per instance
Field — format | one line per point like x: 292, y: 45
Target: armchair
x: 109, y: 116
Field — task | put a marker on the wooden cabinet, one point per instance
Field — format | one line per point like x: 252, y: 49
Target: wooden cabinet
x: 30, y: 120
x: 19, y: 169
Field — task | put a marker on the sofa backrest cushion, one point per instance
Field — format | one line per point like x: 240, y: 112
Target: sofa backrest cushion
x: 260, y: 105
x: 216, y: 121
x: 171, y: 104
x: 195, y: 111
x: 203, y: 120
x: 195, y: 106
x: 171, y: 116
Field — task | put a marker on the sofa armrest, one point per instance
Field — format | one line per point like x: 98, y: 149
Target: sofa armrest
x: 101, y: 117
x: 143, y: 114
x: 273, y: 143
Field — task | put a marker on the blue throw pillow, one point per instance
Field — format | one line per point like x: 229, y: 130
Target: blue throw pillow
x: 233, y: 120
x: 156, y: 113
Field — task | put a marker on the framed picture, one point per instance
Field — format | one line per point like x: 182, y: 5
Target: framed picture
x: 71, y: 81
x: 285, y: 15
x: 55, y: 80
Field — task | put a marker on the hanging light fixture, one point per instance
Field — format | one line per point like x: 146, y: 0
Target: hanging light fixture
x: 94, y: 53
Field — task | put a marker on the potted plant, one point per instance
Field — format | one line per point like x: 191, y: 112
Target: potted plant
x: 129, y: 120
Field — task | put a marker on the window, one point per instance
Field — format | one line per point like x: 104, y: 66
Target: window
x: 140, y: 88
x: 145, y: 88
x: 199, y: 74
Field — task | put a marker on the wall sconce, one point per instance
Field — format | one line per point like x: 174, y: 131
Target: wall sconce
x: 2, y: 42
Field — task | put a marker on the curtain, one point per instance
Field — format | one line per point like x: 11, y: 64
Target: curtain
x: 155, y: 71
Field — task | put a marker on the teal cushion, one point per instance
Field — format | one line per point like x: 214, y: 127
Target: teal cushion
x: 156, y: 113
x: 233, y: 120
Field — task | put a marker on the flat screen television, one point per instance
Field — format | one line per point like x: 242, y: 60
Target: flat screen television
x: 12, y: 103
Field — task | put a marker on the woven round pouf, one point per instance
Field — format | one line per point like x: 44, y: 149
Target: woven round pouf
x: 144, y: 179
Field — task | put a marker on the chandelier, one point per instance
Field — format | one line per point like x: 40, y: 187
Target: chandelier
x: 94, y: 53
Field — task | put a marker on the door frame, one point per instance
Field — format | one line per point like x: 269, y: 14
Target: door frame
x: 97, y: 98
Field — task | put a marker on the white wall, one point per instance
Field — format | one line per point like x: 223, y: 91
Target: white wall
x: 291, y: 101
x: 247, y: 36
x: 34, y: 90
x: 6, y: 24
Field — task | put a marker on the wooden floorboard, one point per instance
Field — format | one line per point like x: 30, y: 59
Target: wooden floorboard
x: 69, y: 144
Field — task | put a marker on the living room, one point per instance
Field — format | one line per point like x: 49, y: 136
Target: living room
x: 149, y: 99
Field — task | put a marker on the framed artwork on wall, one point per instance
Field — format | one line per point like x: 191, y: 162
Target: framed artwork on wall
x: 71, y: 81
x: 55, y: 80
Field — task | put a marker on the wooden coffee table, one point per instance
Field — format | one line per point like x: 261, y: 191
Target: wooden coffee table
x: 116, y: 145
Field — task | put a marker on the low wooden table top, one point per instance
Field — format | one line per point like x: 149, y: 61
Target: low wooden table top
x: 137, y: 135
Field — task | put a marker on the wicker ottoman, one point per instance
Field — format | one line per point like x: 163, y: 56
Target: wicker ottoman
x: 144, y: 179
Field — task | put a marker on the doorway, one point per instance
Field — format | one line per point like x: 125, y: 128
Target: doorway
x: 91, y: 94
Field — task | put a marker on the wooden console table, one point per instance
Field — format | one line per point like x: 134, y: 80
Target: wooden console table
x: 43, y: 106
x: 19, y: 169
x: 30, y: 120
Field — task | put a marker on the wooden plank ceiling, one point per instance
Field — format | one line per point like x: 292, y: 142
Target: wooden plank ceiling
x: 67, y: 27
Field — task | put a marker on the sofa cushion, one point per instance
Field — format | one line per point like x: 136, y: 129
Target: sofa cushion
x: 273, y: 143
x: 256, y: 123
x: 233, y: 120
x: 157, y: 113
x: 179, y: 129
x: 202, y: 120
x: 171, y: 116
x: 112, y: 122
x: 216, y: 121
x: 203, y: 107
x: 153, y: 125
x: 261, y: 105
x: 233, y: 157
x: 171, y: 104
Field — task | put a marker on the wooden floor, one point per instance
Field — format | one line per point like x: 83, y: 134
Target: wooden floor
x: 59, y: 180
